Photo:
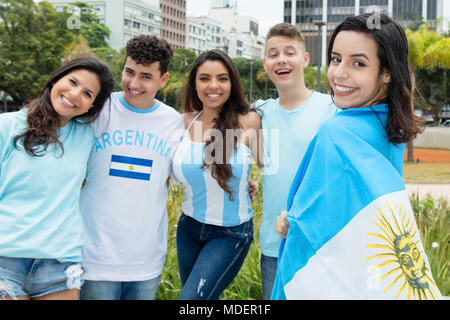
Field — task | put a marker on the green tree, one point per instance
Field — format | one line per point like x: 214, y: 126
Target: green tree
x: 425, y: 55
x: 310, y: 76
x: 94, y: 32
x: 115, y: 60
x: 171, y: 93
x: 429, y: 50
x: 181, y: 61
x: 432, y: 79
x: 32, y: 38
x: 79, y: 47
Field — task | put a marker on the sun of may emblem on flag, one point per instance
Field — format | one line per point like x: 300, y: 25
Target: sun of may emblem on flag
x: 401, y: 259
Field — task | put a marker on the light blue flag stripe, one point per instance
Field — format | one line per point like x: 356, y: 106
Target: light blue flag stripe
x: 129, y: 174
x: 130, y: 160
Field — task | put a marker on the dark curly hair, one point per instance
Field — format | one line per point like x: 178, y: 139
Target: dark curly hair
x: 145, y: 50
x: 43, y: 121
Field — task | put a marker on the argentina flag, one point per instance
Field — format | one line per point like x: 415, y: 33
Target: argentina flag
x: 132, y: 168
x: 352, y: 231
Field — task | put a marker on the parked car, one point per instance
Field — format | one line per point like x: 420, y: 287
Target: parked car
x: 446, y: 123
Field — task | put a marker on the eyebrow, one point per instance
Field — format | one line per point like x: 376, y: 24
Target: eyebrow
x: 219, y: 75
x: 78, y: 83
x: 352, y: 55
x: 142, y: 73
x: 277, y: 48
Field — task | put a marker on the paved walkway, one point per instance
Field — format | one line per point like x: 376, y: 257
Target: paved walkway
x: 436, y: 190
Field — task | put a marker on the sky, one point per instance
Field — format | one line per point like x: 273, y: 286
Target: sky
x: 267, y: 12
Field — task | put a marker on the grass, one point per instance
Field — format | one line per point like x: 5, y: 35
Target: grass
x: 432, y: 217
x: 426, y: 172
x: 433, y: 220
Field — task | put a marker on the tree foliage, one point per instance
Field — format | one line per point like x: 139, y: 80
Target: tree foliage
x: 94, y: 32
x: 31, y: 41
x: 429, y: 56
x: 35, y: 40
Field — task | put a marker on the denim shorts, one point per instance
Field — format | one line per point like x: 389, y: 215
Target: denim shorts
x: 37, y: 277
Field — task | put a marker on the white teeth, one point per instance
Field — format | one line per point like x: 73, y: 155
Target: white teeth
x: 135, y: 92
x: 213, y: 95
x: 344, y: 89
x: 67, y: 102
x: 282, y: 71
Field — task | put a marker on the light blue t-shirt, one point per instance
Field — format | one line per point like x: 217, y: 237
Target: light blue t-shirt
x: 39, y: 196
x: 286, y: 134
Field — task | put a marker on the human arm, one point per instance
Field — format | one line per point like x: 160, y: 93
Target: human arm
x: 251, y: 125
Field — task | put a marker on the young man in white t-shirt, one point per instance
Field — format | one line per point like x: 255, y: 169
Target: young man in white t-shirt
x: 123, y: 202
x: 289, y: 123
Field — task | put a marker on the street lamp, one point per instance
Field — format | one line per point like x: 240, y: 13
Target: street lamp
x: 110, y: 57
x: 319, y: 24
x: 251, y: 81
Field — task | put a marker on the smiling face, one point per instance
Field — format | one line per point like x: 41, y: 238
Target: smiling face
x: 213, y: 84
x: 354, y: 71
x: 74, y: 94
x: 141, y: 83
x: 285, y: 60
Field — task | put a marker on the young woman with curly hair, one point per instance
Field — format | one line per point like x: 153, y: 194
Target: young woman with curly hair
x: 44, y: 149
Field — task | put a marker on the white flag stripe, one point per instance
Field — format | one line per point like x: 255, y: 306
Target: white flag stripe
x: 131, y: 167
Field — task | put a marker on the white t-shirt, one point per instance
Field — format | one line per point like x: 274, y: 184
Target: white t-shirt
x: 123, y: 203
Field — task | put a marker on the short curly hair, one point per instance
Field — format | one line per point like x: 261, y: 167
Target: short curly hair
x: 145, y: 49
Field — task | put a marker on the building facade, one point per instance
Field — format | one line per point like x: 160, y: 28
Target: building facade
x: 213, y: 32
x: 239, y: 33
x: 174, y: 22
x: 125, y: 18
x: 195, y: 35
x: 308, y: 15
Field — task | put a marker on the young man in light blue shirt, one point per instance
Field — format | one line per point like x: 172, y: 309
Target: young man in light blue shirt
x: 289, y: 123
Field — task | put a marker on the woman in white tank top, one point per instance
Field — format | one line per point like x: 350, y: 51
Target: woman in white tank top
x: 213, y: 163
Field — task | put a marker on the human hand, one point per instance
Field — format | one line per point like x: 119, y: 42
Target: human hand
x: 282, y: 225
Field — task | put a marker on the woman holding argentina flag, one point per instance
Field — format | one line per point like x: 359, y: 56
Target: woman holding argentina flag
x: 350, y: 230
x: 213, y: 162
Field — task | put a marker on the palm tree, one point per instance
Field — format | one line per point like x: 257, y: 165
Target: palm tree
x: 172, y: 85
x: 424, y: 52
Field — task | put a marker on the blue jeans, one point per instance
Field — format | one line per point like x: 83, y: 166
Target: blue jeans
x: 210, y: 257
x: 37, y: 277
x: 116, y: 290
x: 268, y: 273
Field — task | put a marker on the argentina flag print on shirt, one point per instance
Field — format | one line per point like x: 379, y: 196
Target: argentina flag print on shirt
x: 132, y: 168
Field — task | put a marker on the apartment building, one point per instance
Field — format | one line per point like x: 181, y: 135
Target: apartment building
x: 174, y: 22
x: 310, y: 14
x: 125, y: 18
x: 195, y: 35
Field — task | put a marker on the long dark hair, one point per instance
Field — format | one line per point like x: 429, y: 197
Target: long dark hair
x: 402, y: 124
x: 228, y: 117
x: 43, y: 121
